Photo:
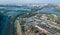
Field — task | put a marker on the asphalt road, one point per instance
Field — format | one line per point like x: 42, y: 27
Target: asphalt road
x: 10, y: 27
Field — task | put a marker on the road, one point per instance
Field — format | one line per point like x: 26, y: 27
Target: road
x: 10, y: 28
x: 26, y: 32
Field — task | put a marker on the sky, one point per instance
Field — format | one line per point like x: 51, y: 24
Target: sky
x: 28, y: 1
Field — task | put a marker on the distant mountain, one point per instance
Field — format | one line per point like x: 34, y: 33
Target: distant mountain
x: 8, y: 5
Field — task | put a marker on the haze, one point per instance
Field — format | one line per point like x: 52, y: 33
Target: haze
x: 28, y: 1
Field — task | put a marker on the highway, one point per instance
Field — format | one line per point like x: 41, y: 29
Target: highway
x: 10, y: 28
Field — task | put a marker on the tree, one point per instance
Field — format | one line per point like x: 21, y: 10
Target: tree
x: 59, y: 30
x: 1, y: 18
